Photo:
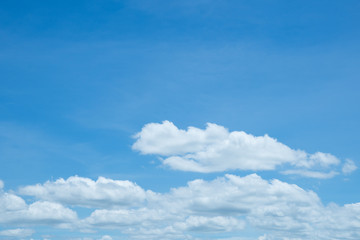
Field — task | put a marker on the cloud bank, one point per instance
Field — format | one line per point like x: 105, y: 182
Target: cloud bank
x: 222, y: 208
x: 218, y: 208
x: 215, y: 149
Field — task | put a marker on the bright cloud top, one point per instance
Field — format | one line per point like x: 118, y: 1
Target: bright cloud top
x: 215, y: 149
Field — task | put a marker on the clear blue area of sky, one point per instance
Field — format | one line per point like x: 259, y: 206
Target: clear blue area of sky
x: 80, y: 78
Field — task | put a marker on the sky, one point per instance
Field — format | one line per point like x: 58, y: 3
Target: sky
x: 190, y: 120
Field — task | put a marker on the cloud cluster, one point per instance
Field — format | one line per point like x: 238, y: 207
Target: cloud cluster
x: 215, y: 149
x: 78, y: 191
x: 222, y: 207
x: 14, y: 211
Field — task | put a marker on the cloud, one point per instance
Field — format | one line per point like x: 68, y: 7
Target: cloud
x: 311, y: 174
x: 219, y: 208
x: 18, y: 232
x: 117, y: 218
x: 14, y: 210
x: 211, y: 224
x: 216, y: 149
x: 43, y: 213
x: 106, y: 237
x: 78, y: 191
x: 349, y: 167
x: 229, y: 204
x: 10, y: 202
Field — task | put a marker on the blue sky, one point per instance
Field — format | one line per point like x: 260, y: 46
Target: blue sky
x: 79, y: 80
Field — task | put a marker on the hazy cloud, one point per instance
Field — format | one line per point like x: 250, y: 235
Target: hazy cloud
x: 18, y: 232
x: 349, y: 166
x: 311, y: 174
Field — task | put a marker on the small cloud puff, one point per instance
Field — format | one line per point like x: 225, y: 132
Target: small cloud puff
x: 349, y: 167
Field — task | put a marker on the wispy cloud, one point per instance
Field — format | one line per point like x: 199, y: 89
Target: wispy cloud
x: 349, y: 166
x: 311, y: 174
x: 18, y: 232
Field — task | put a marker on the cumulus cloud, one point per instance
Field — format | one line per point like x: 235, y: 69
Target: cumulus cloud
x: 18, y: 232
x: 46, y: 213
x: 223, y: 205
x: 218, y: 208
x: 78, y: 191
x: 14, y: 210
x: 11, y: 202
x: 215, y: 149
x: 229, y: 204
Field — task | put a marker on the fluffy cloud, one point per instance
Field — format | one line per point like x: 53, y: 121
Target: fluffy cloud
x: 10, y: 202
x: 14, y: 210
x: 46, y: 213
x: 229, y: 204
x: 18, y: 232
x: 216, y: 149
x: 78, y: 191
x: 219, y: 208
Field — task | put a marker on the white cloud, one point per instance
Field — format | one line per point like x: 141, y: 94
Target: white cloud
x: 311, y: 174
x: 1, y: 185
x: 219, y: 208
x: 11, y: 202
x: 44, y: 213
x: 18, y: 232
x: 211, y: 224
x: 349, y: 166
x: 14, y: 210
x: 106, y: 237
x: 221, y: 205
x: 216, y: 149
x: 124, y: 217
x: 229, y: 204
x: 80, y: 191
